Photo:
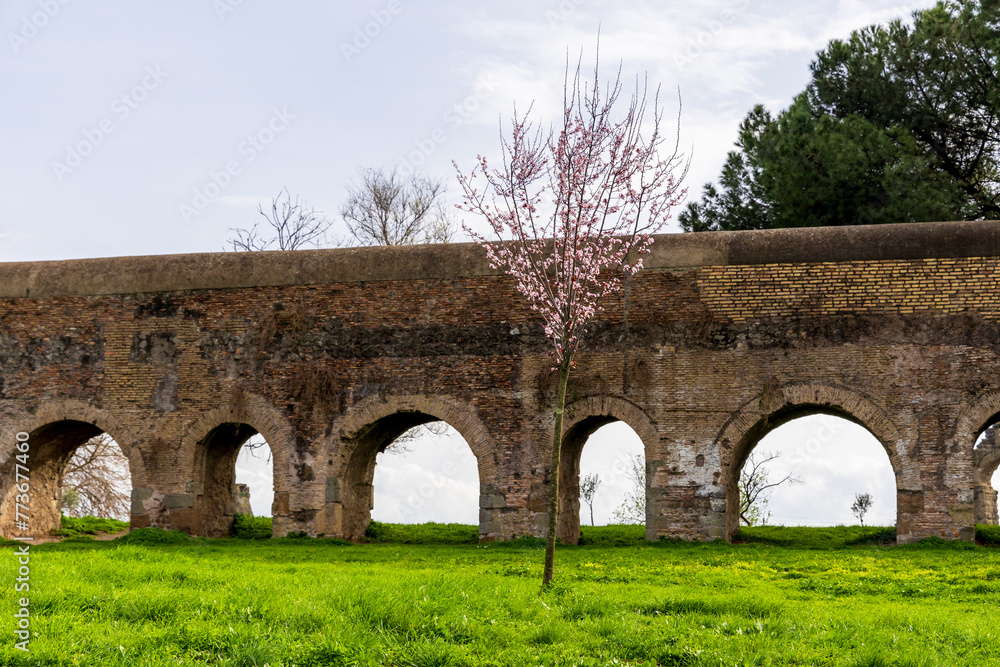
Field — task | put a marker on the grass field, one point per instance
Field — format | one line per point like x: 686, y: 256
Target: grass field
x: 787, y: 596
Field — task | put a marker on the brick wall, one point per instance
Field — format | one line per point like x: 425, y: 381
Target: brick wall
x: 331, y: 354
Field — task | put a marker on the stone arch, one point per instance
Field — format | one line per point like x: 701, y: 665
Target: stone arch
x: 208, y: 450
x: 584, y: 417
x: 983, y: 412
x: 780, y: 404
x: 370, y: 425
x: 57, y: 428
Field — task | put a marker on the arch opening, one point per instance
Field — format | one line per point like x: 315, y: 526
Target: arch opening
x: 807, y: 466
x: 70, y: 465
x: 255, y: 477
x: 217, y: 499
x: 410, y: 467
x: 616, y: 461
x: 986, y: 473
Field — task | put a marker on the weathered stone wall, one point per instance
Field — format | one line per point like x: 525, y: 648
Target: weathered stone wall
x: 332, y: 354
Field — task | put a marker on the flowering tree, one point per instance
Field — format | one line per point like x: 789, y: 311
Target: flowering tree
x: 574, y: 209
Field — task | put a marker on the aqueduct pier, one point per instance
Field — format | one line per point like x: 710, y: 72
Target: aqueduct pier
x: 331, y: 354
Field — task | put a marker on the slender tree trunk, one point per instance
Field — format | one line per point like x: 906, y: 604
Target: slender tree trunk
x: 591, y: 515
x: 550, y: 539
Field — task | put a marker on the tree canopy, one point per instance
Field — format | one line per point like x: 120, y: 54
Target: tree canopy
x: 899, y: 123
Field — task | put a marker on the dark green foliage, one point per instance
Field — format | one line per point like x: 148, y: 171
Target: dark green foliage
x: 874, y: 535
x: 89, y: 525
x: 427, y: 533
x: 832, y: 537
x: 616, y: 535
x: 900, y: 123
x: 935, y: 542
x: 154, y: 536
x: 249, y: 527
x: 988, y: 534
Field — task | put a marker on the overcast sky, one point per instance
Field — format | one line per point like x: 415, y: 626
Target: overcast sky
x: 136, y: 128
x: 121, y: 117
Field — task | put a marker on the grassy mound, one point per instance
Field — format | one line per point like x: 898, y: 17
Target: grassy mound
x: 89, y: 525
x: 817, y: 538
x: 425, y: 533
x: 612, y: 536
x: 155, y: 536
x: 249, y: 527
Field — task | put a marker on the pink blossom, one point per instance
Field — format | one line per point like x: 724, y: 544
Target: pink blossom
x: 574, y: 211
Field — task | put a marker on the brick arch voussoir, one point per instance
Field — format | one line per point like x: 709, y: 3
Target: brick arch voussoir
x: 735, y: 440
x: 967, y: 430
x: 458, y: 414
x: 72, y: 410
x: 252, y: 410
x: 618, y: 408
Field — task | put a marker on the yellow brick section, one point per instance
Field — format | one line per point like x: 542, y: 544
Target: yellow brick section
x: 932, y: 286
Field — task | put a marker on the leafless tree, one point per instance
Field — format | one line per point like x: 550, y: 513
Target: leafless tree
x: 289, y: 225
x: 588, y: 490
x: 862, y: 503
x: 633, y: 508
x: 390, y: 209
x: 755, y: 486
x: 96, y: 481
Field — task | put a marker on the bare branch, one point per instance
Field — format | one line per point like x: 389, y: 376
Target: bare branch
x: 290, y: 225
x: 96, y: 480
x: 755, y: 485
x: 388, y: 209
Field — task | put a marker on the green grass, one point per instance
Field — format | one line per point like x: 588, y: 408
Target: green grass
x: 144, y: 600
x: 426, y: 533
x: 818, y: 538
x: 249, y: 527
x: 89, y: 525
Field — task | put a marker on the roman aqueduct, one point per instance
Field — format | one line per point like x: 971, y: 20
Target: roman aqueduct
x: 331, y: 354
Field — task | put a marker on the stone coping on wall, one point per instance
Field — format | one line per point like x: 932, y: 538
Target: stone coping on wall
x: 227, y: 270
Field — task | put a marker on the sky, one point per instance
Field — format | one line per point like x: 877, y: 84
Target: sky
x: 138, y: 128
x: 141, y: 128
